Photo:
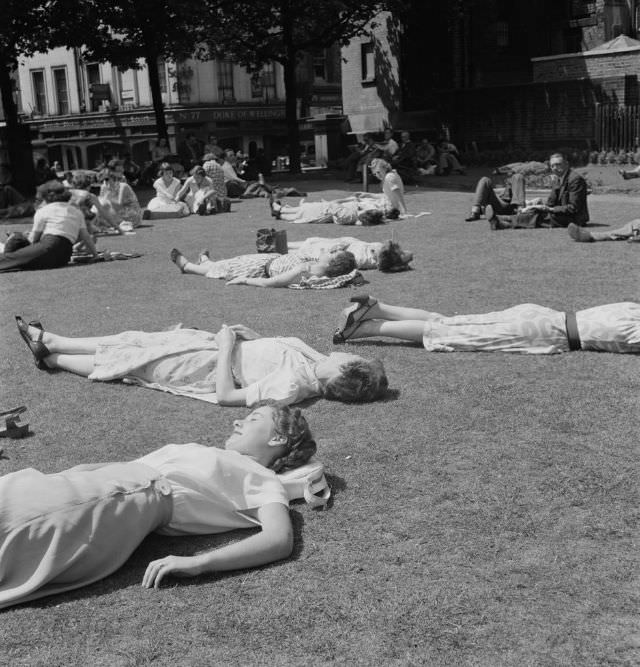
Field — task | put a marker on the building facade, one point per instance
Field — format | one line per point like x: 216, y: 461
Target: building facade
x: 498, y: 73
x: 79, y: 111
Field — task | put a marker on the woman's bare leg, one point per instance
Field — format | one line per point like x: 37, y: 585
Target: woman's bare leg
x: 80, y: 364
x: 196, y: 269
x: 66, y: 345
x: 411, y: 330
x: 185, y: 265
x: 384, y: 311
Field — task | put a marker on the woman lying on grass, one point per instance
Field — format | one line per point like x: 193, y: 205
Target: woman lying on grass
x: 268, y: 269
x: 65, y: 530
x: 235, y: 366
x: 386, y: 256
x: 527, y: 328
x: 363, y: 209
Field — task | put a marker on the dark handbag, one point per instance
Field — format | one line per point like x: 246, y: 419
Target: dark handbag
x: 531, y: 219
x: 271, y: 240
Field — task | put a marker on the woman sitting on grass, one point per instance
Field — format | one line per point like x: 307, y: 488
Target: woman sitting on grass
x: 267, y: 269
x: 65, y: 530
x: 392, y: 185
x: 235, y: 366
x: 527, y: 328
x: 198, y: 192
x: 119, y: 201
x: 166, y: 203
x: 97, y: 217
x: 57, y: 226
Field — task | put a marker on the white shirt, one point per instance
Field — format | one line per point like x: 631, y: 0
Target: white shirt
x: 213, y: 490
x: 393, y: 189
x: 59, y: 219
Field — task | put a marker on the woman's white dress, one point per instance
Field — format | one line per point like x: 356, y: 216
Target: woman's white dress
x: 65, y: 530
x: 274, y: 371
x: 164, y: 201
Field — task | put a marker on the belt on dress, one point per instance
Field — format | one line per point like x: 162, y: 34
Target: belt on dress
x: 573, y: 335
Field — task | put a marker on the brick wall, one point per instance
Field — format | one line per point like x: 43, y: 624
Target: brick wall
x: 567, y: 68
x: 539, y: 115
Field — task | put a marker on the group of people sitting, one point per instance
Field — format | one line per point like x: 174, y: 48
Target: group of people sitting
x: 566, y: 206
x: 244, y: 484
x: 411, y: 161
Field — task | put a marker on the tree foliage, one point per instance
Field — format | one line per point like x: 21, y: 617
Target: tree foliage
x: 255, y: 32
x: 127, y: 31
x: 28, y: 27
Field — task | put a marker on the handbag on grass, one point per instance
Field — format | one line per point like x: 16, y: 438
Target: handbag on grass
x: 271, y: 240
x: 308, y: 482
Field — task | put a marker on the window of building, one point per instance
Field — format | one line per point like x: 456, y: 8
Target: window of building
x: 256, y: 85
x: 581, y: 8
x: 320, y: 66
x: 162, y: 75
x: 61, y: 89
x: 225, y: 80
x: 502, y: 34
x: 367, y: 61
x: 93, y: 77
x: 39, y: 92
x: 269, y: 81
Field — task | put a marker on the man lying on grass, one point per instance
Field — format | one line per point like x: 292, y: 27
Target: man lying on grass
x: 527, y: 328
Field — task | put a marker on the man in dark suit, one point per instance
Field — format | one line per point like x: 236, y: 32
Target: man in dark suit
x: 567, y: 202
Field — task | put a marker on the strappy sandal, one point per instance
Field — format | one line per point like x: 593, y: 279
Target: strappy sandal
x: 353, y: 317
x: 175, y: 256
x: 11, y: 428
x: 38, y: 349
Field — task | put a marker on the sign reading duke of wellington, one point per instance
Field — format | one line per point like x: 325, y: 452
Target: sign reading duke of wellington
x: 237, y: 113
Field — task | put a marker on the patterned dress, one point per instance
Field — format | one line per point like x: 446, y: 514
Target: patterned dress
x: 263, y: 265
x: 120, y: 203
x: 532, y: 329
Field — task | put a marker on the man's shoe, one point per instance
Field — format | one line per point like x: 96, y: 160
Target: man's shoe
x: 579, y: 234
x: 475, y: 215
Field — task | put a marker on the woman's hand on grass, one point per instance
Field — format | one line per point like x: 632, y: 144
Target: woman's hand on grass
x: 177, y: 566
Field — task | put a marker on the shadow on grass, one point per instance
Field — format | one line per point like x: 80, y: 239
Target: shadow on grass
x: 158, y: 546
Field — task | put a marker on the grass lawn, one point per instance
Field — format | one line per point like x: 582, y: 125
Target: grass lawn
x: 488, y: 515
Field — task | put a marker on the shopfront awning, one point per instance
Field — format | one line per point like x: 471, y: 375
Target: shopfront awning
x: 373, y: 121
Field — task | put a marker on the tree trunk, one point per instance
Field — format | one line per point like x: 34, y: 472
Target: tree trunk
x: 156, y: 93
x: 291, y: 93
x: 291, y: 114
x: 17, y: 137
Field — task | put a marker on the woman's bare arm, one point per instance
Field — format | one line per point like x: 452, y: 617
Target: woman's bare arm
x: 274, y: 542
x: 226, y: 391
x: 283, y: 280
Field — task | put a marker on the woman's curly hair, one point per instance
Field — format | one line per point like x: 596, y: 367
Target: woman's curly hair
x: 360, y: 381
x: 341, y: 263
x: 293, y: 427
